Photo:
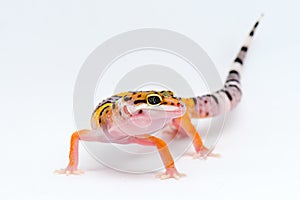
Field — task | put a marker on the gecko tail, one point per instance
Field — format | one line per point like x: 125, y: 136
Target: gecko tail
x: 232, y: 87
x: 239, y: 60
x: 230, y: 95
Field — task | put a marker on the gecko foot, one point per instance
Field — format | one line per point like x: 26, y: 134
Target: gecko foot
x: 69, y: 171
x: 204, y: 152
x: 170, y: 173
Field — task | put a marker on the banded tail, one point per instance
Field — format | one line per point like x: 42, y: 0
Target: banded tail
x: 229, y: 96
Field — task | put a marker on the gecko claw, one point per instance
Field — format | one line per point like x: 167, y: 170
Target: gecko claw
x: 170, y: 173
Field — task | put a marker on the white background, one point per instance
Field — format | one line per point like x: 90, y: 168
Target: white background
x: 43, y: 45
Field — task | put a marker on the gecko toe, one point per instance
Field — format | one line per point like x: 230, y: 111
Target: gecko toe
x: 170, y: 173
x: 204, y: 152
x: 69, y: 172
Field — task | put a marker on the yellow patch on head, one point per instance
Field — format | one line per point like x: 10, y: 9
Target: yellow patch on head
x: 99, y: 112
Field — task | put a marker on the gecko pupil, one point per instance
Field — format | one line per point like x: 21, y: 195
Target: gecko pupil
x: 154, y: 100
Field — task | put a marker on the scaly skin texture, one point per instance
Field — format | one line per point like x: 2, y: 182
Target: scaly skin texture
x: 131, y: 117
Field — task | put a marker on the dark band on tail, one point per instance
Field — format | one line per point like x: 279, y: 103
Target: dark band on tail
x: 229, y: 96
x: 241, y: 55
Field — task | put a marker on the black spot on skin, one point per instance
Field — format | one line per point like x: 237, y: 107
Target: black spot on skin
x: 227, y: 93
x: 251, y: 33
x: 103, y: 110
x: 133, y: 92
x: 171, y: 93
x: 195, y: 100
x: 232, y: 80
x: 206, y: 114
x: 205, y: 101
x: 235, y: 87
x: 238, y: 60
x: 139, y: 101
x: 139, y: 96
x: 178, y: 104
x: 140, y: 111
x: 126, y: 98
x: 244, y: 48
x: 101, y: 104
x: 215, y: 98
x: 172, y: 104
x: 114, y: 105
x: 165, y: 103
x: 234, y: 72
x: 106, y: 111
x: 120, y: 113
x: 99, y: 121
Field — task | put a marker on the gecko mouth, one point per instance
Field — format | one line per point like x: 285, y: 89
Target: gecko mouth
x: 162, y: 108
x: 167, y: 108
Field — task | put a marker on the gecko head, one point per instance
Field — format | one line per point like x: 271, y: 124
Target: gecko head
x: 147, y: 111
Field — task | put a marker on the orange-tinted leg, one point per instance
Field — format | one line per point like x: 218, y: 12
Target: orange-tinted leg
x: 186, y: 125
x: 171, y: 171
x: 86, y: 135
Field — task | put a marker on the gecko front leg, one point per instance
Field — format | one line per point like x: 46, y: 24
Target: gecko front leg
x: 185, y: 124
x: 168, y: 161
x: 85, y: 135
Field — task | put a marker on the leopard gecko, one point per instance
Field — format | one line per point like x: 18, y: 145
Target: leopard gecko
x: 134, y: 109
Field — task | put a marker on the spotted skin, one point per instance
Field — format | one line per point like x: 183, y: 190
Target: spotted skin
x: 132, y: 117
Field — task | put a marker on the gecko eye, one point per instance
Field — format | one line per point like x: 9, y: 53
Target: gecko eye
x: 154, y: 99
